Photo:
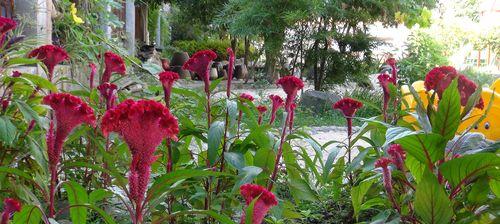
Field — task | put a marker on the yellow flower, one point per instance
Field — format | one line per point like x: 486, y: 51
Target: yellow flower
x: 73, y: 12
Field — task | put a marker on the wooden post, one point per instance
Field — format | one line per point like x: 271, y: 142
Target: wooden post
x: 130, y: 26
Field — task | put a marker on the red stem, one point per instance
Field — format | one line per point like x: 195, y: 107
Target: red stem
x: 278, y: 155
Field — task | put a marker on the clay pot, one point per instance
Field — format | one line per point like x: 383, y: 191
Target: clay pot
x: 179, y: 58
x: 165, y: 64
x: 183, y: 74
x: 222, y: 74
x: 240, y: 71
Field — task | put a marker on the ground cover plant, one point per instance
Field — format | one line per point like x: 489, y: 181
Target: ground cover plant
x: 95, y: 153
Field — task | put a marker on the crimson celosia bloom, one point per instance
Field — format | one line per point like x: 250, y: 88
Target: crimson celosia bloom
x: 143, y: 125
x: 113, y: 63
x: 230, y: 70
x: 16, y: 74
x: 167, y: 80
x: 291, y: 85
x: 392, y: 62
x: 6, y: 25
x: 277, y: 102
x: 384, y: 80
x: 10, y: 206
x: 93, y: 72
x: 246, y: 96
x: 262, y: 205
x: 439, y: 78
x: 70, y: 112
x: 348, y: 107
x: 108, y: 93
x: 383, y: 163
x: 261, y: 109
x: 50, y: 55
x: 5, y: 104
x: 397, y: 155
x: 200, y: 63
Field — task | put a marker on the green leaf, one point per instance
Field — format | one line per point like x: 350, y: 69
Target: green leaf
x: 7, y: 130
x: 495, y: 187
x: 98, y: 195
x: 214, y: 84
x: 329, y: 163
x: 479, y: 191
x: 249, y: 210
x: 458, y: 170
x: 161, y: 184
x: 447, y: 118
x: 28, y: 113
x: 41, y: 82
x: 431, y: 202
x: 264, y: 158
x: 471, y: 102
x: 358, y: 193
x: 29, y: 214
x: 235, y: 159
x: 22, y: 61
x: 426, y: 148
x: 422, y: 117
x: 247, y: 174
x: 215, y: 134
x: 152, y: 68
x: 415, y: 166
x: 76, y: 195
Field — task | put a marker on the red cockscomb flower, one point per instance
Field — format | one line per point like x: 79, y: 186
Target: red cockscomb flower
x: 230, y: 70
x: 439, y: 78
x: 167, y: 80
x: 50, y: 55
x: 10, y: 206
x: 277, y: 102
x: 16, y: 74
x: 397, y: 155
x: 262, y: 109
x: 93, y: 72
x: 384, y: 80
x: 6, y: 25
x: 246, y: 96
x: 262, y: 205
x: 113, y: 63
x: 70, y: 112
x: 143, y: 125
x: 200, y: 63
x: 108, y: 93
x: 392, y: 62
x: 466, y: 88
x: 383, y: 163
x: 348, y: 107
x: 291, y: 85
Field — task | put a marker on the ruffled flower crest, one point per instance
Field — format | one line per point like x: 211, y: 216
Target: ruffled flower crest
x: 291, y: 85
x: 167, y: 80
x: 263, y: 204
x: 277, y: 102
x: 50, y: 55
x: 10, y: 206
x: 200, y: 63
x: 113, y: 63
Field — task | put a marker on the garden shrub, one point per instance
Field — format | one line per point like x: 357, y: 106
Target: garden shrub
x: 218, y: 46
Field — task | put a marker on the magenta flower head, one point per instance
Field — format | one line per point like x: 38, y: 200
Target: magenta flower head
x: 6, y: 25
x: 348, y: 107
x: 291, y: 85
x: 277, y: 102
x: 384, y: 80
x: 108, y: 93
x: 397, y: 155
x: 261, y: 109
x: 113, y: 63
x: 10, y: 206
x: 262, y: 205
x: 200, y: 63
x: 392, y: 62
x: 230, y: 70
x: 143, y: 125
x: 93, y: 72
x: 50, y: 55
x: 70, y: 112
x: 167, y: 80
x: 439, y: 78
x: 16, y: 74
x: 383, y: 163
x: 246, y: 97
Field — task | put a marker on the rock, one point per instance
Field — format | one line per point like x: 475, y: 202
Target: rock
x: 213, y: 73
x: 183, y: 74
x: 179, y: 58
x: 318, y: 101
x: 223, y: 74
x: 165, y: 64
x: 240, y: 71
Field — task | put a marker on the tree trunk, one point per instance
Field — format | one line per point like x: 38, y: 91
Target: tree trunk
x: 234, y: 44
x: 247, y: 51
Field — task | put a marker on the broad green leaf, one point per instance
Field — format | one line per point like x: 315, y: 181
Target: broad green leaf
x: 471, y: 102
x: 7, y: 130
x: 247, y: 174
x: 29, y: 214
x: 76, y: 195
x: 264, y: 158
x: 299, y: 187
x: 98, y: 195
x: 495, y: 187
x: 215, y: 134
x: 214, y: 84
x: 152, y: 68
x: 479, y: 191
x: 22, y: 61
x: 41, y: 82
x: 329, y: 163
x: 415, y: 166
x: 164, y: 182
x: 426, y: 148
x: 187, y: 93
x: 422, y: 117
x: 28, y: 113
x: 235, y: 159
x: 447, y: 118
x: 216, y: 215
x: 16, y: 172
x: 459, y: 170
x: 431, y: 202
x: 358, y: 193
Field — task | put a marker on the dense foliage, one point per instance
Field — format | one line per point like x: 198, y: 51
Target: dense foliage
x: 93, y: 152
